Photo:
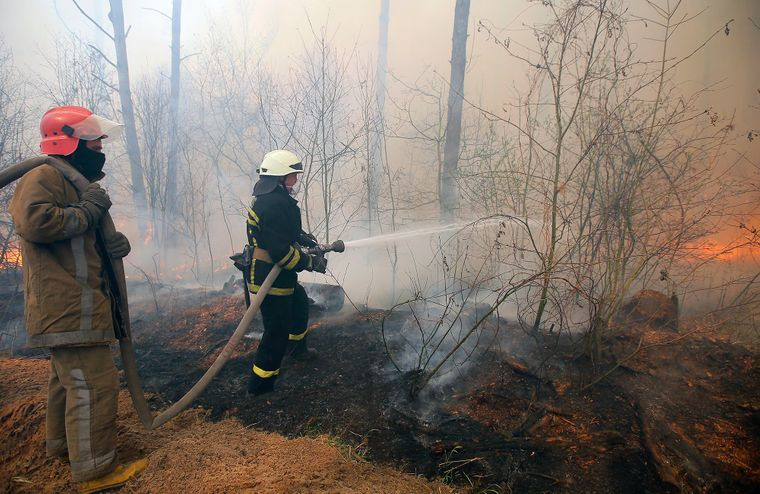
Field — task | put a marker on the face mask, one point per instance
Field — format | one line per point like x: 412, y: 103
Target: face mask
x: 294, y: 190
x: 87, y: 161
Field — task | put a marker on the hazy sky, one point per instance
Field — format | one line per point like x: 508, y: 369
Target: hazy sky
x: 419, y: 41
x: 419, y: 38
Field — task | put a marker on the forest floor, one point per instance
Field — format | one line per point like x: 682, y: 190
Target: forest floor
x: 673, y: 411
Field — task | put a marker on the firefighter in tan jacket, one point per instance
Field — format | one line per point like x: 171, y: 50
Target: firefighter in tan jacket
x: 68, y: 307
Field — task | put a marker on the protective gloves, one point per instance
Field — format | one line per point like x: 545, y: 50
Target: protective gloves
x: 117, y: 245
x: 307, y: 240
x: 95, y: 202
x: 318, y: 264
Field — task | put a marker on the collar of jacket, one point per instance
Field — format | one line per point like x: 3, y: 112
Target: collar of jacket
x: 278, y: 188
x: 71, y: 172
x: 282, y: 190
x: 15, y: 172
x: 73, y: 165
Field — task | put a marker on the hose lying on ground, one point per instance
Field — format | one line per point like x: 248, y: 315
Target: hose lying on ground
x: 126, y: 348
x: 224, y: 355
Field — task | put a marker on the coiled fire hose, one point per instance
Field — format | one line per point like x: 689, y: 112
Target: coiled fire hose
x: 127, y: 351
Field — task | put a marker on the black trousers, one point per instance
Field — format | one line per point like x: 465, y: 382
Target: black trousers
x: 286, y: 318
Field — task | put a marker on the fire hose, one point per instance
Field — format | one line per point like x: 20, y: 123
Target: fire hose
x: 126, y: 348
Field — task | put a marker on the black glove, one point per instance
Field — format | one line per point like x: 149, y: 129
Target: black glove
x: 117, y: 245
x: 318, y: 264
x: 307, y: 240
x: 95, y: 202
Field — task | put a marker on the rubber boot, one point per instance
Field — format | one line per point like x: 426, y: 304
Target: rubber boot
x: 258, y: 386
x: 118, y: 477
x: 303, y: 353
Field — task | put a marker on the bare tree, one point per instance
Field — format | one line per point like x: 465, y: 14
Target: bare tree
x: 316, y: 118
x: 119, y: 38
x: 80, y: 77
x: 172, y: 126
x: 172, y: 155
x: 229, y: 91
x: 13, y: 148
x: 621, y: 161
x: 418, y: 118
x: 376, y: 158
x: 14, y: 113
x: 449, y: 191
x: 152, y: 112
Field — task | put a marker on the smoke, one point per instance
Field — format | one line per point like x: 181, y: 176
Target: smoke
x: 222, y: 133
x: 437, y: 333
x: 439, y: 285
x: 421, y: 261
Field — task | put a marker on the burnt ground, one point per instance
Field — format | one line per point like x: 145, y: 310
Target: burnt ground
x: 675, y: 411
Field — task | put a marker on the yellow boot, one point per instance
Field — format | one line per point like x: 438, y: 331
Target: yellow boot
x: 118, y: 477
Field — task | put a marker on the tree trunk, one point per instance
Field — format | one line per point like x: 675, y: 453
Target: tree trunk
x: 125, y: 95
x: 449, y: 199
x: 171, y: 166
x: 375, y: 164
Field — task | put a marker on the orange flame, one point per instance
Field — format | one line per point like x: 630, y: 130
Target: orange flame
x: 148, y: 234
x: 12, y: 258
x: 724, y: 252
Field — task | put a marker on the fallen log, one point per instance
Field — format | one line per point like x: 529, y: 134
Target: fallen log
x: 667, y: 474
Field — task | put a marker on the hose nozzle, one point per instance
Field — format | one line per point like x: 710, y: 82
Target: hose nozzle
x: 337, y: 246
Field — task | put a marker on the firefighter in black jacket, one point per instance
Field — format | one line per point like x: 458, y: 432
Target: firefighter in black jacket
x: 274, y: 230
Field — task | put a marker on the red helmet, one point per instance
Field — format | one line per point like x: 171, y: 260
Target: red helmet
x: 61, y: 129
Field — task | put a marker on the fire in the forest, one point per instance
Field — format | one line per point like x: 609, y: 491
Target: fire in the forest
x: 11, y: 258
x: 714, y: 251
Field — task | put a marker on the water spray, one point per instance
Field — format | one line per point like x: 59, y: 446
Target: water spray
x: 421, y: 232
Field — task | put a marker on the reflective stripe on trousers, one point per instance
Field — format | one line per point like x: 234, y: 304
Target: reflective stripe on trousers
x: 89, y: 378
x: 265, y: 373
x: 80, y: 263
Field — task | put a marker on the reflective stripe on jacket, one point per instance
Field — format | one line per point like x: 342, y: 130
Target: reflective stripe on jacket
x: 66, y: 300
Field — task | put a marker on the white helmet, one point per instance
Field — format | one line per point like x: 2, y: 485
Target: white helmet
x: 279, y: 163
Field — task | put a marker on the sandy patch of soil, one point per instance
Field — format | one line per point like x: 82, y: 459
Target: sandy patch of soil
x: 190, y: 454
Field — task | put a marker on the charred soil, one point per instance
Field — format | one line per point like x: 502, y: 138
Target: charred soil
x: 661, y: 411
x: 674, y: 411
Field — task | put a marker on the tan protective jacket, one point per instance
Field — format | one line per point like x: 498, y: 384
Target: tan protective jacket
x: 66, y: 298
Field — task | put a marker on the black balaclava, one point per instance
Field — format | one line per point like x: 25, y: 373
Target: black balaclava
x: 88, y: 162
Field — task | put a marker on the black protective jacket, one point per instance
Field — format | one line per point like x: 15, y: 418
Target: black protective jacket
x: 274, y: 224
